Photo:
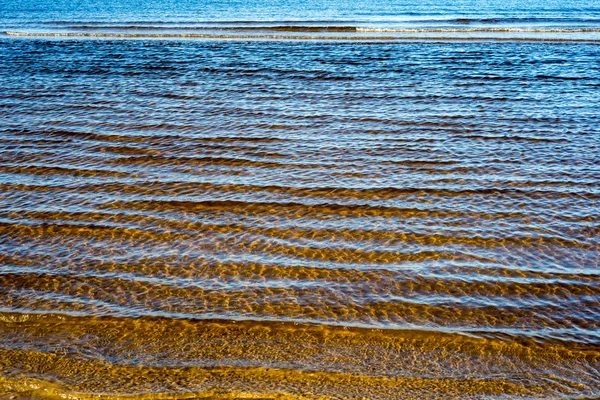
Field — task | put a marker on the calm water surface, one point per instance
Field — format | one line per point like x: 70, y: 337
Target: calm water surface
x: 576, y: 20
x: 306, y: 219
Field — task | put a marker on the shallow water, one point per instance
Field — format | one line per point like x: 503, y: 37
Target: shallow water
x: 297, y: 219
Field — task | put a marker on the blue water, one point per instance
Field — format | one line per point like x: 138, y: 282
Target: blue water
x: 382, y: 20
x: 299, y: 200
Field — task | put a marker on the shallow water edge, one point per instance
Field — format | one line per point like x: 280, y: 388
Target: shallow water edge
x: 95, y: 357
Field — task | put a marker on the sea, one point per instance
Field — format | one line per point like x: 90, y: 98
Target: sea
x: 318, y: 199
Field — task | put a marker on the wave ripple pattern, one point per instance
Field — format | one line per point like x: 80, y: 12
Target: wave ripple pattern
x: 299, y: 219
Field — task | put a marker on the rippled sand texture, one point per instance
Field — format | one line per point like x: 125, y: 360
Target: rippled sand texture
x: 302, y: 220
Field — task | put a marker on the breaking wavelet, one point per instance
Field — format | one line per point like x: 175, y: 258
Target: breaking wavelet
x: 585, y: 35
x: 325, y: 28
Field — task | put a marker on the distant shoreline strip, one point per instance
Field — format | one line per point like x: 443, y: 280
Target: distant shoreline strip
x: 120, y: 35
